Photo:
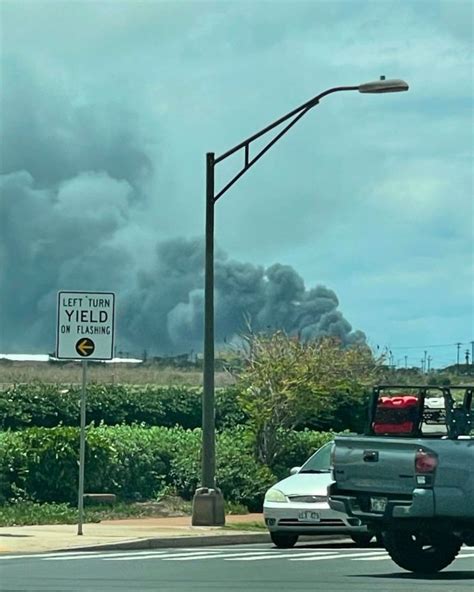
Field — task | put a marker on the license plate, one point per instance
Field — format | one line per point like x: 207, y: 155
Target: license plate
x: 308, y: 516
x: 378, y: 504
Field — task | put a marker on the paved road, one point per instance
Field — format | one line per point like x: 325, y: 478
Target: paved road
x: 256, y: 568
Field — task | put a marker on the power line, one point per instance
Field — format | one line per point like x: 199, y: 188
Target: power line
x: 426, y: 346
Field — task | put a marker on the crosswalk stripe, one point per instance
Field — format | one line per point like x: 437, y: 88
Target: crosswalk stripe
x: 42, y: 555
x: 100, y: 556
x: 241, y: 554
x: 370, y: 554
x: 166, y: 555
x: 276, y: 555
x: 462, y: 555
x: 387, y: 556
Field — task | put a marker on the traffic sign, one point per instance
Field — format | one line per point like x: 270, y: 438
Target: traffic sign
x: 85, y: 327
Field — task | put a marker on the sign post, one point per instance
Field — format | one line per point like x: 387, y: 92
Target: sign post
x: 85, y: 331
x: 82, y: 449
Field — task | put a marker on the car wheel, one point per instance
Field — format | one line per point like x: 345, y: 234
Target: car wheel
x: 362, y: 539
x: 283, y: 541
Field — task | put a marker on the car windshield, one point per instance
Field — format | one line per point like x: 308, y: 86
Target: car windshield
x: 320, y: 462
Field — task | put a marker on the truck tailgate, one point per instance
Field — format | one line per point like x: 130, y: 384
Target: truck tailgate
x: 383, y: 465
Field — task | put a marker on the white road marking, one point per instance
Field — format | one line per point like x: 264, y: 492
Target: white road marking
x: 369, y: 554
x: 104, y: 555
x: 165, y: 555
x: 218, y: 554
x: 277, y: 555
x: 387, y: 556
x: 41, y: 555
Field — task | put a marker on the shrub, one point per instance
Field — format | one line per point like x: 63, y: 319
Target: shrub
x: 137, y: 463
x: 42, y: 463
x: 52, y: 405
x: 238, y: 474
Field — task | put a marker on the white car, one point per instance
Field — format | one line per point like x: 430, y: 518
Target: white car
x: 298, y: 505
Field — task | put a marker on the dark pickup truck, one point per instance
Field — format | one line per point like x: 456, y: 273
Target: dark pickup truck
x: 410, y: 478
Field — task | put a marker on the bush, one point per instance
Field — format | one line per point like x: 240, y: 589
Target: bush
x: 238, y: 474
x: 42, y: 463
x: 137, y: 463
x: 52, y: 405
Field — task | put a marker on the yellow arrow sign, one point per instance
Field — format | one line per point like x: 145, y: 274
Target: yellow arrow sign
x: 85, y: 347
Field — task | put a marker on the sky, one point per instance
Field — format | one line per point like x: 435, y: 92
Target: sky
x: 358, y: 223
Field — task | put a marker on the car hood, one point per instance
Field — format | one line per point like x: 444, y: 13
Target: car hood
x: 305, y: 484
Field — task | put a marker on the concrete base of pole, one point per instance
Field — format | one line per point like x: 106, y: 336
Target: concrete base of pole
x: 208, y: 507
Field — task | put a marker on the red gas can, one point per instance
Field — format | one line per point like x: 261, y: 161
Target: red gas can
x: 396, y: 414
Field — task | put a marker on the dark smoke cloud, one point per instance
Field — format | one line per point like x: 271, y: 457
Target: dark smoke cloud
x: 73, y: 197
x: 167, y: 307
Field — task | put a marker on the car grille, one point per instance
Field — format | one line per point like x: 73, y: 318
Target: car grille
x: 323, y: 522
x: 307, y: 499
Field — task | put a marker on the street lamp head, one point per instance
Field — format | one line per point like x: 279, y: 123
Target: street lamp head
x: 383, y: 86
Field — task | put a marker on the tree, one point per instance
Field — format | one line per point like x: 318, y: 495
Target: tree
x: 288, y: 383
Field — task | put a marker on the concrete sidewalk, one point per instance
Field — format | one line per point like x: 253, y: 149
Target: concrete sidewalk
x: 142, y: 533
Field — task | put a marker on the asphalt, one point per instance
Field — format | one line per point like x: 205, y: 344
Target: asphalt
x: 143, y: 533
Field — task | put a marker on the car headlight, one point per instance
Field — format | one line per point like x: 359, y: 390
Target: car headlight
x: 275, y: 495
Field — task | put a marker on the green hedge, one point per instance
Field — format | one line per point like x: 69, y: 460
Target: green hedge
x: 138, y: 463
x: 44, y: 405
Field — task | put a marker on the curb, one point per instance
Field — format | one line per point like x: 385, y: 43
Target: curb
x: 174, y: 542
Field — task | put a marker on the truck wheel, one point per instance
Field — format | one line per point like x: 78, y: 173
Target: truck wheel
x: 419, y: 552
x: 283, y: 541
x: 362, y: 539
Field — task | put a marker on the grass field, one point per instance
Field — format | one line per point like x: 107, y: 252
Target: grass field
x: 99, y: 373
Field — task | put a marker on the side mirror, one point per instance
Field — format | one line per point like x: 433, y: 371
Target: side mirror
x: 295, y: 470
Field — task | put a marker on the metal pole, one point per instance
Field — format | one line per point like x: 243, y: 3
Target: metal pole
x: 208, y: 421
x: 82, y: 449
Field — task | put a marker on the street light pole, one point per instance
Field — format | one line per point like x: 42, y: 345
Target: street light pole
x: 208, y: 415
x: 208, y: 502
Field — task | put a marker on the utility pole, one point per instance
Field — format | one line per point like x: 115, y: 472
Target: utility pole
x: 429, y: 363
x: 466, y: 356
x: 424, y: 365
x: 472, y: 352
x: 457, y: 357
x: 406, y: 361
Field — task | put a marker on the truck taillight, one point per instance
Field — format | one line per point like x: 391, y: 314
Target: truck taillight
x: 425, y: 462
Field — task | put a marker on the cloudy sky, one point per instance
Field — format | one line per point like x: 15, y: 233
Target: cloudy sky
x: 359, y: 220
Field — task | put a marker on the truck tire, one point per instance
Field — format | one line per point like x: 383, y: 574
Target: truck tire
x: 283, y: 541
x: 420, y: 552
